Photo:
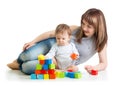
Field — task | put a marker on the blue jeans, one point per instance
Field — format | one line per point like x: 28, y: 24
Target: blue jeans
x: 28, y: 58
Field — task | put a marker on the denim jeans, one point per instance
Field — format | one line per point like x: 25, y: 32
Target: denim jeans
x: 28, y: 58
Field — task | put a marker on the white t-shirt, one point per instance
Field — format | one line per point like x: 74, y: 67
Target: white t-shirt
x: 62, y: 54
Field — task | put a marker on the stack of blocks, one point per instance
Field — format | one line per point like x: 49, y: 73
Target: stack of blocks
x: 46, y: 70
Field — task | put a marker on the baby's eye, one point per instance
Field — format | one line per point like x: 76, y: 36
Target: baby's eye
x: 58, y: 38
x: 63, y: 38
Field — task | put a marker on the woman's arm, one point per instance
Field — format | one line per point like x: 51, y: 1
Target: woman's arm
x: 73, y: 27
x: 102, y: 61
x: 45, y: 35
x: 41, y: 37
x: 50, y: 34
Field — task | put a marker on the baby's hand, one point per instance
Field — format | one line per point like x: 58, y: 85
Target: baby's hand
x: 74, y: 56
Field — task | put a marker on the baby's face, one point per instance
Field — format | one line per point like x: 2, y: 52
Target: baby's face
x: 62, y: 38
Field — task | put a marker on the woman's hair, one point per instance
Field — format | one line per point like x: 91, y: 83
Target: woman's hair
x: 96, y: 18
x: 61, y: 28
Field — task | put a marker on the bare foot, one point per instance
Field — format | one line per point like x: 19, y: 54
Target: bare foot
x: 14, y: 65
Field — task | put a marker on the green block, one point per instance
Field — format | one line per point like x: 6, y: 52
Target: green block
x: 38, y: 67
x: 78, y: 75
x: 51, y: 66
x: 61, y: 74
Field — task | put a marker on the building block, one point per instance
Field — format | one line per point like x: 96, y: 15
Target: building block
x: 60, y: 74
x: 71, y: 74
x: 52, y: 76
x: 42, y: 62
x: 48, y: 61
x: 74, y: 56
x: 40, y: 76
x: 51, y: 71
x: 43, y: 71
x: 94, y: 72
x: 37, y: 72
x: 45, y: 67
x: 51, y: 66
x: 78, y: 75
x: 38, y: 66
x: 33, y: 76
x: 41, y: 57
x: 46, y: 76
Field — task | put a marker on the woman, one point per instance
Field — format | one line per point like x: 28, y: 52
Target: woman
x: 89, y: 38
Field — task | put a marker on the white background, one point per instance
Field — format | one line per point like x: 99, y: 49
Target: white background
x: 22, y: 20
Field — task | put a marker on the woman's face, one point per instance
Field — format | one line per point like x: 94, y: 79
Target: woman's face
x: 88, y: 29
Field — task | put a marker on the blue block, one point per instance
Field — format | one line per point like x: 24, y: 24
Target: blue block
x: 71, y: 75
x: 33, y: 76
x: 48, y: 61
x: 40, y: 76
x: 45, y: 67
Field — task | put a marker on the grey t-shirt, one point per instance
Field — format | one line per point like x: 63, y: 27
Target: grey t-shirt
x: 86, y: 48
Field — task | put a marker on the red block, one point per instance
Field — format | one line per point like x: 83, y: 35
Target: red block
x: 51, y: 71
x: 94, y: 72
x: 52, y: 76
x: 70, y: 70
x: 37, y: 72
x: 42, y: 62
x: 43, y: 71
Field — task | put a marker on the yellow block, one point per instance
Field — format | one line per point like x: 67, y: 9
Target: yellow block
x: 41, y: 57
x: 46, y: 76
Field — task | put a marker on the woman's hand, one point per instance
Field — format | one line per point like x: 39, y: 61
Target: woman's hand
x: 28, y: 45
x: 88, y: 68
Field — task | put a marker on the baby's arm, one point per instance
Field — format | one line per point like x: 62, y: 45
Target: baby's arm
x: 55, y: 62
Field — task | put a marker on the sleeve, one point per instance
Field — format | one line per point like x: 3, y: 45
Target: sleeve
x: 52, y: 52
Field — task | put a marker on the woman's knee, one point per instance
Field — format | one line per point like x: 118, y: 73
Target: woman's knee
x: 29, y: 67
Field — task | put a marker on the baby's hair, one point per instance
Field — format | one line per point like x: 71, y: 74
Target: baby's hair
x: 61, y: 28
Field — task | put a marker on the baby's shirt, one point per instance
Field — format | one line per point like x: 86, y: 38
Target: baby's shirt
x: 62, y: 54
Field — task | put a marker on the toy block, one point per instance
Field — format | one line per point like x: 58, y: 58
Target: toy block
x: 71, y: 75
x: 78, y: 75
x: 45, y: 67
x: 51, y: 66
x: 61, y: 74
x: 74, y: 56
x: 38, y: 67
x: 46, y: 76
x: 33, y: 76
x: 41, y: 62
x: 52, y: 76
x: 48, y: 61
x: 37, y: 71
x: 41, y: 57
x: 94, y: 72
x: 57, y: 73
x: 40, y: 76
x: 70, y: 70
x: 43, y: 71
x: 51, y: 71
